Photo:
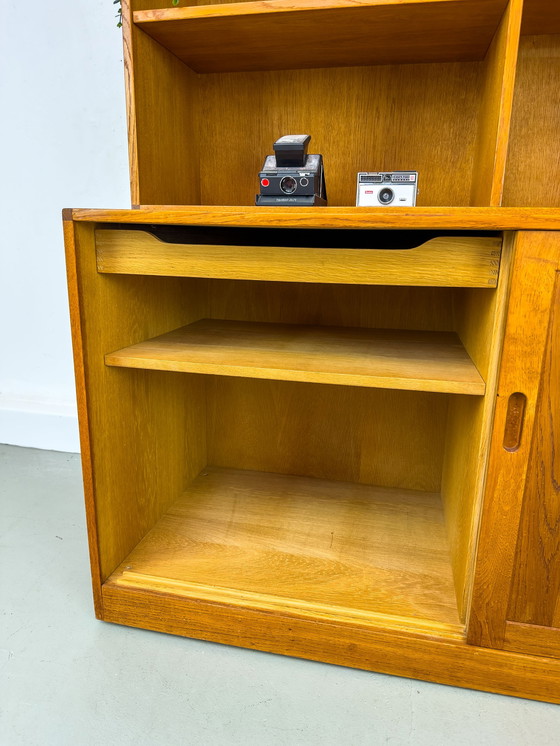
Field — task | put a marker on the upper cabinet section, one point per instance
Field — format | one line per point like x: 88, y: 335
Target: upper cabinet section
x: 424, y: 85
x: 380, y: 85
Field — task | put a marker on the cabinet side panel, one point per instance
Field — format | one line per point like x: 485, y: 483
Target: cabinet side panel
x: 162, y: 109
x: 535, y: 596
x: 393, y: 117
x: 533, y: 165
x: 78, y: 347
x: 495, y: 111
x: 147, y: 429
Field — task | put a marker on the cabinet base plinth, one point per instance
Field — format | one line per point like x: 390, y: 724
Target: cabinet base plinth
x: 410, y: 654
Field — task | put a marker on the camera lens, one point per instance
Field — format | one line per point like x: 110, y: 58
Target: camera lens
x: 386, y: 196
x: 288, y: 185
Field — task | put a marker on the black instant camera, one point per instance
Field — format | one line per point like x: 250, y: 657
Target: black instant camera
x: 290, y: 176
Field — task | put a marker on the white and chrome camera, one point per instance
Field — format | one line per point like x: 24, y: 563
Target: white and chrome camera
x: 382, y: 189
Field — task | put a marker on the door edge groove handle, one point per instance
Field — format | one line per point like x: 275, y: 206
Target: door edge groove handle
x: 513, y: 429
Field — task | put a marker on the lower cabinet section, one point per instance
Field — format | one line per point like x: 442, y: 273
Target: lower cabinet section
x: 300, y: 467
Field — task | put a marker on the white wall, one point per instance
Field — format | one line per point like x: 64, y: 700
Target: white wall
x: 63, y: 144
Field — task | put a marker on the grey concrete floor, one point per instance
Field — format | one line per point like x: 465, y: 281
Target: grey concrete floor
x: 66, y: 678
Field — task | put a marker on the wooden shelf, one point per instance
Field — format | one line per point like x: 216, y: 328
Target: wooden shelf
x: 374, y: 358
x: 289, y: 34
x: 309, y: 547
x: 374, y: 218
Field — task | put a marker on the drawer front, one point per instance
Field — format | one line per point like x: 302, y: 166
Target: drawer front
x: 444, y: 261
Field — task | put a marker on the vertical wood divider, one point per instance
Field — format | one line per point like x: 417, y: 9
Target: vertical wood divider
x: 495, y: 110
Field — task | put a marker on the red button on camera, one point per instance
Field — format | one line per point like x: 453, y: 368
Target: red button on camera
x: 265, y: 182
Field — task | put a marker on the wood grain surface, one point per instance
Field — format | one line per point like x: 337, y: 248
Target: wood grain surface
x: 389, y: 117
x: 364, y: 306
x: 480, y: 321
x: 284, y: 34
x: 535, y: 591
x: 431, y: 657
x: 536, y: 263
x: 162, y: 99
x: 442, y: 261
x: 495, y: 110
x: 343, y: 433
x: 330, y: 548
x: 377, y: 358
x: 533, y: 639
x: 78, y: 348
x: 146, y: 430
x: 392, y: 438
x: 540, y: 17
x: 533, y: 165
x: 436, y: 218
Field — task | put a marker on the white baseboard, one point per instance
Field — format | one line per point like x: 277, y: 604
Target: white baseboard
x: 32, y: 423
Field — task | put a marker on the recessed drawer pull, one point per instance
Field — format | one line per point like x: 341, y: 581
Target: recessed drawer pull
x: 514, y: 421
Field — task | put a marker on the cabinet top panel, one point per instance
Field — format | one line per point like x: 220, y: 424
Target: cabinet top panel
x: 292, y: 34
x: 417, y: 218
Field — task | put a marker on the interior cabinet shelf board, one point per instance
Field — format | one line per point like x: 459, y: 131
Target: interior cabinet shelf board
x: 409, y: 360
x: 306, y: 546
x: 290, y: 34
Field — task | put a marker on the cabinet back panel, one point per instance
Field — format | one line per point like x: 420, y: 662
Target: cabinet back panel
x: 377, y: 307
x: 370, y: 436
x: 395, y: 117
x: 533, y: 165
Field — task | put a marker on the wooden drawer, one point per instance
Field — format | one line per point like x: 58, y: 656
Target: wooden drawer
x: 441, y: 261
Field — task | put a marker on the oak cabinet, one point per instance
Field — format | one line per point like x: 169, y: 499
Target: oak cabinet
x: 332, y: 432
